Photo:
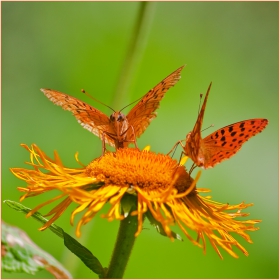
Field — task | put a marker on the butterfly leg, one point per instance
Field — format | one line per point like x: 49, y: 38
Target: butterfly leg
x: 134, y: 140
x: 175, y: 147
x: 192, y: 168
x: 179, y: 161
x: 103, y: 143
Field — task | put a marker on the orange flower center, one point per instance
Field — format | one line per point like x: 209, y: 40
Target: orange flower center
x: 146, y: 170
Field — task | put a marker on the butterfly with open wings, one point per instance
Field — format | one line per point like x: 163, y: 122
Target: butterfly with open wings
x: 117, y: 130
x: 221, y: 144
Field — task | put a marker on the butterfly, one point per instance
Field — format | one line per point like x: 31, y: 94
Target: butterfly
x: 221, y: 144
x: 118, y: 130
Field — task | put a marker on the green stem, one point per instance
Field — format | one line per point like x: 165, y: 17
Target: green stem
x: 123, y: 247
x: 134, y: 53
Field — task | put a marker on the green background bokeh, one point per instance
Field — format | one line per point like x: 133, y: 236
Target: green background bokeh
x: 72, y: 45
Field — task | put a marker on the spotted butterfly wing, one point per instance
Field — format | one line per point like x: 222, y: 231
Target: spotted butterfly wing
x: 90, y: 118
x: 143, y: 112
x: 227, y: 141
x: 221, y: 144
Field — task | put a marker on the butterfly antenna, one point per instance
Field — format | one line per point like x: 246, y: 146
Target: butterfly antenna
x: 131, y: 103
x: 83, y: 91
x: 212, y: 125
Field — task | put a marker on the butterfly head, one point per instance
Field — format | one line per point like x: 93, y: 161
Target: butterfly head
x: 117, y: 117
x: 119, y: 124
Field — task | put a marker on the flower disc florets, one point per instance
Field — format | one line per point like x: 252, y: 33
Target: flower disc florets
x: 145, y: 170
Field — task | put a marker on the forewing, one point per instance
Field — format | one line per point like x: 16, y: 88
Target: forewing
x: 90, y: 118
x: 227, y: 141
x: 143, y: 112
x: 194, y: 141
x: 196, y: 132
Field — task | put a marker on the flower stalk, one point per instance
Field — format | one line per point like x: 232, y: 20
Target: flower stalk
x: 123, y: 247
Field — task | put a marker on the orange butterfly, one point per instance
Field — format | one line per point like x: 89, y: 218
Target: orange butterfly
x: 221, y: 144
x: 117, y: 130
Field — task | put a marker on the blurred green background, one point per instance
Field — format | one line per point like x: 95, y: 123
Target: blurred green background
x: 72, y: 45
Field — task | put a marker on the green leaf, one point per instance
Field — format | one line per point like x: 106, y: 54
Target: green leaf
x: 84, y: 254
x: 37, y: 216
x: 159, y: 228
x: 72, y: 244
x: 21, y: 254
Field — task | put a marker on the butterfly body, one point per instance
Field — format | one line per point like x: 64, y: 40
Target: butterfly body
x: 192, y: 151
x: 221, y: 144
x: 119, y: 127
x: 118, y: 130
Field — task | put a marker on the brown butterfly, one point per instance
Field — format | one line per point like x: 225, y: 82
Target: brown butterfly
x: 117, y: 130
x: 221, y: 144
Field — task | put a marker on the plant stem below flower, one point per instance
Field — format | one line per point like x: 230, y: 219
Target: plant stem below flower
x: 123, y: 247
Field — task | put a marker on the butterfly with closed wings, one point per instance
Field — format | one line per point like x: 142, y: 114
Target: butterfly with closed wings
x: 221, y: 144
x: 117, y: 130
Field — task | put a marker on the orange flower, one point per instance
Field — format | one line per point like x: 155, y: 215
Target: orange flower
x: 153, y: 184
